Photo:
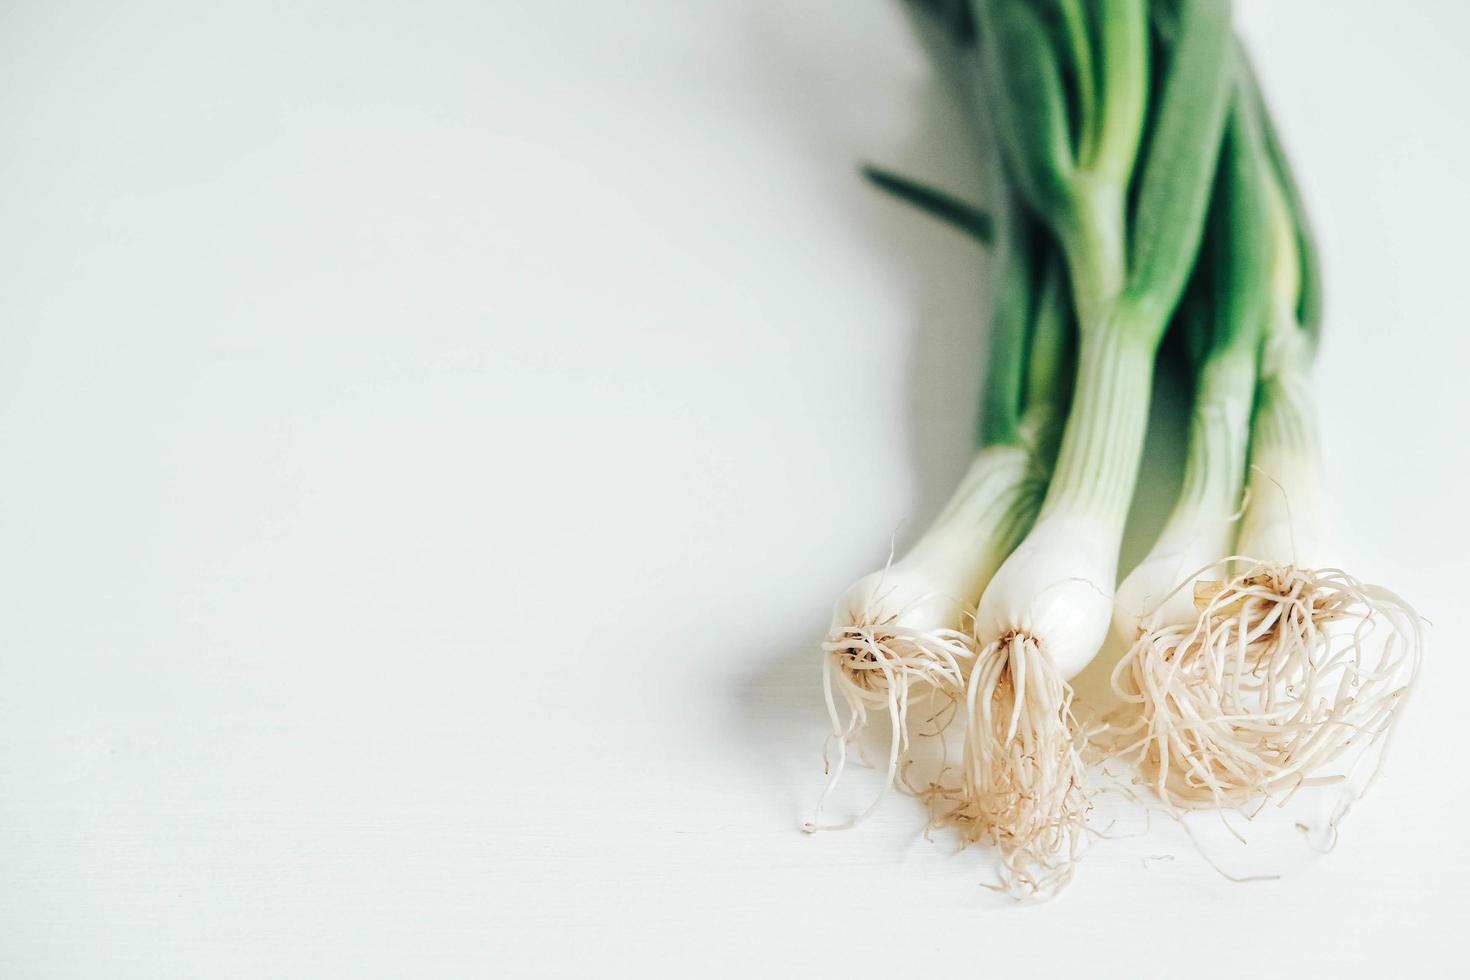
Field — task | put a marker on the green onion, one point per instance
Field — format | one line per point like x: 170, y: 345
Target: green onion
x: 1224, y: 318
x: 1046, y: 612
x: 1287, y: 668
x: 1145, y: 190
x: 900, y: 636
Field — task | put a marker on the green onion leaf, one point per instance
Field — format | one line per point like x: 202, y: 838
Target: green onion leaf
x: 1177, y: 175
x: 1124, y: 87
x: 973, y: 221
x: 1309, y: 302
x: 1029, y: 103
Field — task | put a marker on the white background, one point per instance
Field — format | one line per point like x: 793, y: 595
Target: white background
x: 434, y: 434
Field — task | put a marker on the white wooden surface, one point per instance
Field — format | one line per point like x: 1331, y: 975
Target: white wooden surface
x: 433, y: 435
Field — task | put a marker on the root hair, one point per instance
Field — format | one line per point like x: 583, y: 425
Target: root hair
x: 1023, y: 769
x: 882, y: 665
x: 1285, y: 672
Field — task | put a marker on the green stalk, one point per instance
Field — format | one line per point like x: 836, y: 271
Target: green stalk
x: 1174, y: 186
x: 1285, y: 520
x: 1308, y: 304
x: 1074, y: 19
x: 1122, y: 311
x: 1017, y: 285
x: 1092, y: 234
x: 1050, y: 354
x: 1127, y: 268
x: 1097, y: 463
x: 1125, y: 86
x: 1235, y: 275
x: 1224, y: 317
x: 1028, y: 103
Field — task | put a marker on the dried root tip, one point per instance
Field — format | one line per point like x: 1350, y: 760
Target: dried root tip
x: 1285, y: 671
x: 1023, y: 769
x: 885, y: 665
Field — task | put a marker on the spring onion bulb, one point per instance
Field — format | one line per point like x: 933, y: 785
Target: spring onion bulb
x: 898, y: 636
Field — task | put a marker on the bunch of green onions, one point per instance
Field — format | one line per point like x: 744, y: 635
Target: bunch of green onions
x: 1146, y: 195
